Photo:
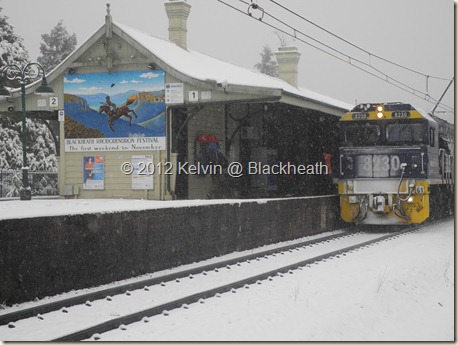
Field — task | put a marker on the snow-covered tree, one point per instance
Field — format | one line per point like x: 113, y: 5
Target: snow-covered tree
x: 40, y: 145
x: 267, y: 65
x: 12, y: 49
x: 10, y: 144
x: 41, y: 157
x: 56, y: 47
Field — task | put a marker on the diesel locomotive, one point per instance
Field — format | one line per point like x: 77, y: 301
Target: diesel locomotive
x: 396, y: 165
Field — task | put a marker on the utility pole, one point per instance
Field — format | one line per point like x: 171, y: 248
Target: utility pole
x: 443, y: 94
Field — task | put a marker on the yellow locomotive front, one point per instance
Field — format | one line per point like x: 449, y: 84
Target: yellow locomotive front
x: 388, y: 158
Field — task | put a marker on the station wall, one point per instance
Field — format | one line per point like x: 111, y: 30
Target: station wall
x: 49, y: 255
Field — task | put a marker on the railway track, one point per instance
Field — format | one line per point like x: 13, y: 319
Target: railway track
x: 121, y: 289
x: 299, y: 255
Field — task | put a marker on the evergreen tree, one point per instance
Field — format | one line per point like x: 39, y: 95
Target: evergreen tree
x: 40, y: 155
x: 56, y: 47
x: 12, y: 49
x: 40, y: 145
x: 267, y: 65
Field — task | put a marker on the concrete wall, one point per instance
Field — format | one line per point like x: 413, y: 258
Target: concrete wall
x: 49, y: 255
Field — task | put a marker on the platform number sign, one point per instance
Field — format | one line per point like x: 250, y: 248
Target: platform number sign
x: 193, y: 96
x: 61, y: 115
x: 54, y: 102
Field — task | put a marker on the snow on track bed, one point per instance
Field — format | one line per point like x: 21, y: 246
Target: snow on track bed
x: 46, y: 325
x: 55, y: 324
x: 399, y: 290
x: 30, y: 309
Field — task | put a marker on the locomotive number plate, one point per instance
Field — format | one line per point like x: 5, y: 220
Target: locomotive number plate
x: 400, y: 115
x: 377, y: 165
x: 359, y: 116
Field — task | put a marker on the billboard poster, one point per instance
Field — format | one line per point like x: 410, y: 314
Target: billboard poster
x: 143, y: 170
x: 93, y: 173
x: 120, y: 111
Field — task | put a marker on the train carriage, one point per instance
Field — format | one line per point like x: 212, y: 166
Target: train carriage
x: 396, y: 165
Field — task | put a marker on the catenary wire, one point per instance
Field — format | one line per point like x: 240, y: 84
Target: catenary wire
x: 385, y: 77
x: 356, y: 46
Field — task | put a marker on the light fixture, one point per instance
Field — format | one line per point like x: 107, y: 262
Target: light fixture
x: 44, y: 89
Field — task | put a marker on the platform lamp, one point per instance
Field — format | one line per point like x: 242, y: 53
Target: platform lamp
x: 25, y: 75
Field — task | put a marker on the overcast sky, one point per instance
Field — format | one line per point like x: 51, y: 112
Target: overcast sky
x: 418, y: 34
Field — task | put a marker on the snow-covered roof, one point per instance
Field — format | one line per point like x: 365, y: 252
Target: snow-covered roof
x: 204, y: 67
x: 198, y: 66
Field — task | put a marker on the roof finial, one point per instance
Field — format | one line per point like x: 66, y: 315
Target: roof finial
x: 108, y: 8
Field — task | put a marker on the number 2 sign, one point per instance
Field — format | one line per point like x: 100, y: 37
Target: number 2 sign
x: 54, y: 102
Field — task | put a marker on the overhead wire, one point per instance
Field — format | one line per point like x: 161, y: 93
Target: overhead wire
x: 356, y: 46
x: 385, y: 77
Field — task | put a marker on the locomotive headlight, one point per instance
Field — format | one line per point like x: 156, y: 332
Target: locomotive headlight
x: 410, y: 200
x: 416, y: 161
x: 380, y: 111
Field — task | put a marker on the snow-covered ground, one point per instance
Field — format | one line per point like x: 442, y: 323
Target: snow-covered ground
x: 400, y: 290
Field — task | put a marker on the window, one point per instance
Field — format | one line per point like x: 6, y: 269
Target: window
x: 362, y: 134
x: 404, y: 133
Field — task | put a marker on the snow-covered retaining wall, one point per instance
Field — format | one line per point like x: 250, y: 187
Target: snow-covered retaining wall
x: 48, y: 255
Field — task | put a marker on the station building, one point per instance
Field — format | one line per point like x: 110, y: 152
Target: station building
x: 145, y: 118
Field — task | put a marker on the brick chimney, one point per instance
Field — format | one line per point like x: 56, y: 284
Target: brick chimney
x: 178, y: 12
x: 287, y: 59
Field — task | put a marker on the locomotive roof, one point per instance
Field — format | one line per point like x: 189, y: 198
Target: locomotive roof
x: 391, y: 107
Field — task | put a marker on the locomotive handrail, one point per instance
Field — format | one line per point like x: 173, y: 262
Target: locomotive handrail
x: 399, y: 198
x: 442, y: 163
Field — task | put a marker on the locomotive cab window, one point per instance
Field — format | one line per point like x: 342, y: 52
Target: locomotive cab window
x: 404, y: 133
x: 362, y: 134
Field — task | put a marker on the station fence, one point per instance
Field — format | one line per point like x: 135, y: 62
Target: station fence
x: 42, y: 183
